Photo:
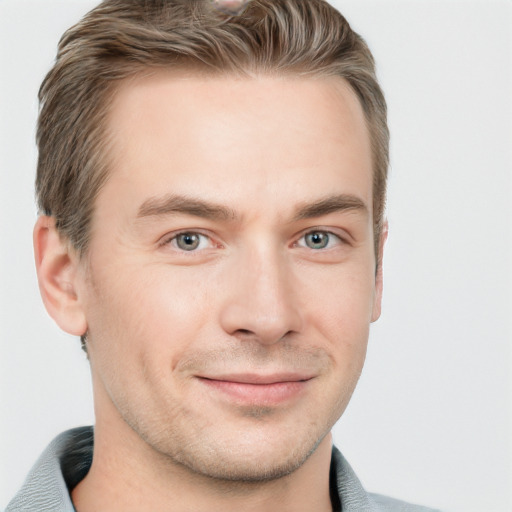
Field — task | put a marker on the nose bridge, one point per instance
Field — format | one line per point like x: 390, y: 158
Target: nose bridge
x: 262, y: 302
x: 270, y: 279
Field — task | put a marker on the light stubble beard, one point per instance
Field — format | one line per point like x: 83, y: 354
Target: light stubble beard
x: 196, y: 450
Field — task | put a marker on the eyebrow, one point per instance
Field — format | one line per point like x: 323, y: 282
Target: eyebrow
x: 330, y: 204
x: 177, y: 204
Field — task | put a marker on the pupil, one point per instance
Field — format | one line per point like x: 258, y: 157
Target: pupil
x: 188, y: 241
x: 318, y: 240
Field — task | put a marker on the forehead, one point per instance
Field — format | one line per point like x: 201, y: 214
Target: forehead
x: 268, y: 136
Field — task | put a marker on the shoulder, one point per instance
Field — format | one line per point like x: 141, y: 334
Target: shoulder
x: 59, y: 468
x: 386, y: 504
x: 354, y: 498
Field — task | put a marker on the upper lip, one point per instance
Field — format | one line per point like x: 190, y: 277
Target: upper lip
x: 260, y: 378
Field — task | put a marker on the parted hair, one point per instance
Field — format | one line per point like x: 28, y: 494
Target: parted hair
x: 123, y: 38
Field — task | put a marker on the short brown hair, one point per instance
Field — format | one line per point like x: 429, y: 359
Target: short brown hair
x: 120, y: 38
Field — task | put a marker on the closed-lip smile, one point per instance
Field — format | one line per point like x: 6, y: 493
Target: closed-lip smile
x: 269, y: 389
x: 261, y: 378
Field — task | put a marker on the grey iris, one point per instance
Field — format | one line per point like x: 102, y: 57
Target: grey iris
x: 317, y: 240
x: 187, y: 241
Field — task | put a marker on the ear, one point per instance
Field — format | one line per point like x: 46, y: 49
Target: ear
x: 57, y: 274
x: 377, y: 298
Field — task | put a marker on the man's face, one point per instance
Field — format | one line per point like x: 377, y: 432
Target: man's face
x: 230, y: 282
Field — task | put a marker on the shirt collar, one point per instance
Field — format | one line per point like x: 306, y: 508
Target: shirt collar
x: 67, y: 459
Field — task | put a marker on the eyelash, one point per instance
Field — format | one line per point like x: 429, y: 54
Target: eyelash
x: 173, y: 238
x: 330, y: 235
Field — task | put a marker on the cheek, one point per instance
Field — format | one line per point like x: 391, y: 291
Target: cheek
x: 341, y: 298
x: 148, y: 310
x: 339, y: 308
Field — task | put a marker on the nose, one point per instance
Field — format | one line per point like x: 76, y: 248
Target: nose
x: 262, y: 303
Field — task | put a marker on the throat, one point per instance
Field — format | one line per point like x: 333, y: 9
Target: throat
x: 113, y: 485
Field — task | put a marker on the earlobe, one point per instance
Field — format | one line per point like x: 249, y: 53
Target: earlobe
x: 57, y: 274
x: 377, y: 299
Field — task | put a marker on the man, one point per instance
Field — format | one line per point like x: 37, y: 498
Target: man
x: 211, y: 183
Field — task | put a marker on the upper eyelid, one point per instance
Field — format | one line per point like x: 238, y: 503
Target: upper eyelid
x: 169, y: 237
x: 330, y: 233
x: 340, y: 233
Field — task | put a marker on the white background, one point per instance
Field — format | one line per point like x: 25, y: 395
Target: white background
x: 431, y: 419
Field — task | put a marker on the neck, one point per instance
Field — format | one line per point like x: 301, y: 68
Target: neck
x: 128, y: 475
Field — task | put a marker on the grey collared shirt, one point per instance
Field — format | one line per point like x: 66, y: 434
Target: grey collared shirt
x: 68, y: 458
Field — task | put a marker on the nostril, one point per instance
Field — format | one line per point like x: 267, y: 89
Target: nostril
x: 245, y: 332
x: 247, y: 335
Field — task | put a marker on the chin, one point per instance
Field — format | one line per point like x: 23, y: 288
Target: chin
x: 245, y: 460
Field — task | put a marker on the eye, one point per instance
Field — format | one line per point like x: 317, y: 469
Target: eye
x: 190, y: 241
x: 319, y: 240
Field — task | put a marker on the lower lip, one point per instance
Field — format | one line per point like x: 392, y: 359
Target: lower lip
x: 258, y: 394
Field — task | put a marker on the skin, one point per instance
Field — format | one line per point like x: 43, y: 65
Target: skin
x: 218, y: 372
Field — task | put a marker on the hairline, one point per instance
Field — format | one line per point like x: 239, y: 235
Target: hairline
x: 106, y: 154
